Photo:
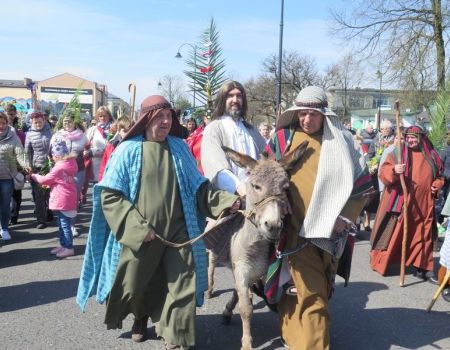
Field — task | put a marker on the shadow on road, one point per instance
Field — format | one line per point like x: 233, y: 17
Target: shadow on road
x: 25, y: 256
x: 353, y: 325
x: 211, y: 333
x: 32, y: 294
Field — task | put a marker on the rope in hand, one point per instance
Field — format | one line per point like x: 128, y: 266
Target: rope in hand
x: 248, y: 215
x: 193, y: 240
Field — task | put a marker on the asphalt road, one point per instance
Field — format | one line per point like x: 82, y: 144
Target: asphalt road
x: 38, y: 309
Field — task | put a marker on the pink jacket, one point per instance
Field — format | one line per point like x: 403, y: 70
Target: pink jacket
x: 63, y: 192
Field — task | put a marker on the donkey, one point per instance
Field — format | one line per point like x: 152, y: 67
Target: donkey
x: 266, y: 205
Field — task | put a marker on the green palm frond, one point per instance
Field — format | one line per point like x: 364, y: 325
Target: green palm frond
x: 73, y: 108
x: 207, y: 84
x: 438, y: 118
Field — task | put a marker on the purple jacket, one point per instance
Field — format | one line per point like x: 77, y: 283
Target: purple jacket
x: 63, y: 193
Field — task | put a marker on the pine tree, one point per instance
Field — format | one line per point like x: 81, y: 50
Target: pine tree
x: 207, y: 66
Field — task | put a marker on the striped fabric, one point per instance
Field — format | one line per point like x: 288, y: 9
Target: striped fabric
x: 123, y: 174
x: 338, y: 156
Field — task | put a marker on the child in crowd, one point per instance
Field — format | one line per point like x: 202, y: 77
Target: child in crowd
x: 123, y: 124
x: 63, y: 194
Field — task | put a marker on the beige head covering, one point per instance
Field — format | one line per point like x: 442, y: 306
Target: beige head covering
x: 309, y: 98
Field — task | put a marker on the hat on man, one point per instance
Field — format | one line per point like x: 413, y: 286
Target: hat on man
x: 59, y: 148
x: 150, y: 107
x: 309, y: 98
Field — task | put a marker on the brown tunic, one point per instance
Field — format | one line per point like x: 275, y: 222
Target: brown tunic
x: 386, y: 238
x: 304, y: 320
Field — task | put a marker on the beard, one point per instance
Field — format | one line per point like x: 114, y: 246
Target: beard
x: 235, y: 112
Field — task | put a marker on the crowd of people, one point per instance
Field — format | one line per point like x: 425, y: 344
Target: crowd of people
x: 157, y: 180
x: 59, y: 158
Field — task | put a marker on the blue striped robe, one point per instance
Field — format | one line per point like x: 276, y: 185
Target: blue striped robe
x: 122, y: 174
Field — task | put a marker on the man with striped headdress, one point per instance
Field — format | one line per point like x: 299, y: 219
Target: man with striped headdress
x: 422, y: 168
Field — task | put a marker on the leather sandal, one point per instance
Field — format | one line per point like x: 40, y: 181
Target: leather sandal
x: 139, y: 330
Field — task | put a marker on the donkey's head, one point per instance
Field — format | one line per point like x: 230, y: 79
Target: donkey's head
x: 266, y: 188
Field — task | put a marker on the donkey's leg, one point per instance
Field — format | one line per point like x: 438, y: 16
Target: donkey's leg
x: 228, y: 311
x: 211, y: 268
x: 246, y: 311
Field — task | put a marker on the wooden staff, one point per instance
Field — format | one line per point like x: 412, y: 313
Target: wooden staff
x: 398, y: 141
x: 32, y: 86
x: 439, y: 291
x: 132, y: 90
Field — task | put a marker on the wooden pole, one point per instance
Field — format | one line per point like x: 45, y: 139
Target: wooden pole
x: 398, y: 142
x: 132, y: 90
x: 439, y: 291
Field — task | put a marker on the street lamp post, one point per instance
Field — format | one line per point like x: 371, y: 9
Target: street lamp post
x: 178, y: 55
x: 379, y: 76
x: 280, y: 57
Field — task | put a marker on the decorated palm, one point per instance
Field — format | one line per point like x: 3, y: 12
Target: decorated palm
x: 207, y: 66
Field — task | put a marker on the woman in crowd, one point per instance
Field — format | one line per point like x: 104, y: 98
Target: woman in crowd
x: 191, y: 125
x: 11, y: 152
x: 37, y: 147
x: 123, y: 124
x: 97, y: 136
x: 13, y: 121
x: 70, y: 129
x: 194, y: 141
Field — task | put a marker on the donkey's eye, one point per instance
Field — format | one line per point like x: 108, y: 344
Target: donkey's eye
x: 256, y: 187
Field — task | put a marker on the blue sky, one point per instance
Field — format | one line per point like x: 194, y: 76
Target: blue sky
x: 118, y: 42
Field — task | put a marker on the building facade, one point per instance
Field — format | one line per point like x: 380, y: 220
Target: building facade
x: 56, y: 92
x: 369, y: 106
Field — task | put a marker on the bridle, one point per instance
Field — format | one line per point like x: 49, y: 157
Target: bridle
x: 250, y: 214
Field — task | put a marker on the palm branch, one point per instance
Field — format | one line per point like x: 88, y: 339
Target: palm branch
x: 208, y: 54
x: 438, y: 118
x: 74, y: 108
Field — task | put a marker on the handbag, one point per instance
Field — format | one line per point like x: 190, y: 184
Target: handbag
x: 19, y: 181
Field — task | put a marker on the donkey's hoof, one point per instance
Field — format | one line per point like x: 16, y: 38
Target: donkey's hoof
x: 226, y: 317
x: 209, y: 294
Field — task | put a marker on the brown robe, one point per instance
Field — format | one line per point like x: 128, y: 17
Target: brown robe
x: 387, y: 233
x: 305, y: 320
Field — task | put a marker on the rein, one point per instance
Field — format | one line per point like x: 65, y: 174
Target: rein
x: 191, y: 241
x: 248, y: 214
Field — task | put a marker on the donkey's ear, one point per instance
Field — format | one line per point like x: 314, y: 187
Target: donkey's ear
x: 289, y: 161
x: 240, y: 159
